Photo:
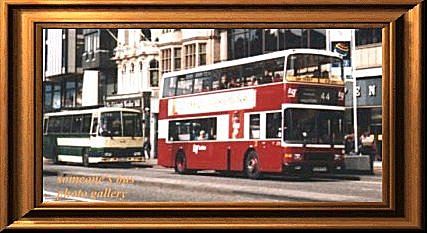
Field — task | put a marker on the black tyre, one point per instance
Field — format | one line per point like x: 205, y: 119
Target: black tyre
x: 252, y: 166
x: 85, y: 158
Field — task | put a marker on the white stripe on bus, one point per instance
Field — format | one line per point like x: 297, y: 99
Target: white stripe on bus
x: 74, y: 141
x: 70, y: 158
x: 311, y: 106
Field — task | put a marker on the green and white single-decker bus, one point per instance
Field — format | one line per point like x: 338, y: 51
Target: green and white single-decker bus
x: 90, y: 136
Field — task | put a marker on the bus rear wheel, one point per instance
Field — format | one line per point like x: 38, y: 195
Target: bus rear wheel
x: 252, y: 166
x: 180, y: 163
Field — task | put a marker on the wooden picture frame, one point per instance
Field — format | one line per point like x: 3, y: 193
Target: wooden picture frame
x: 403, y: 26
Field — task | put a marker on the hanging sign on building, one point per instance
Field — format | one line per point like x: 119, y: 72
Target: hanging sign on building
x: 368, y: 92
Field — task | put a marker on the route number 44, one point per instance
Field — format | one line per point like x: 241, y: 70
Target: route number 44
x: 325, y: 96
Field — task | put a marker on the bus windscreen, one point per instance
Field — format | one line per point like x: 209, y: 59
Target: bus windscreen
x: 308, y: 126
x: 115, y: 125
x: 314, y: 68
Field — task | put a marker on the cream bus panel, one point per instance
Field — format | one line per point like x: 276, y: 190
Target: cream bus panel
x: 222, y: 127
x: 163, y: 129
x: 116, y: 142
x: 237, y: 100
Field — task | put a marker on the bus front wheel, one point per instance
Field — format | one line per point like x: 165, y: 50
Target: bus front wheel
x: 252, y: 165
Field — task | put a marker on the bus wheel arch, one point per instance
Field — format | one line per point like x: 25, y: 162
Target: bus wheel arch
x: 252, y: 164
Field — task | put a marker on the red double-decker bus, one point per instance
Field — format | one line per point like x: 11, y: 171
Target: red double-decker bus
x: 281, y: 112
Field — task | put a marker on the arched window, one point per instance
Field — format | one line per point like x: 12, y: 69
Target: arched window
x: 132, y: 67
x: 140, y: 64
x: 154, y: 73
x: 124, y: 69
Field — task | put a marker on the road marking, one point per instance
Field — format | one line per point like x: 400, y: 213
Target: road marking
x: 69, y: 197
x: 366, y: 182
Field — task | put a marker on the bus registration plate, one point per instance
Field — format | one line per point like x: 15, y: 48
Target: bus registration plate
x: 319, y: 169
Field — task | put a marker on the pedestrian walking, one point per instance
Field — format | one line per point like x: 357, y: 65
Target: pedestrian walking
x: 146, y: 148
x: 368, y: 148
x: 349, y: 143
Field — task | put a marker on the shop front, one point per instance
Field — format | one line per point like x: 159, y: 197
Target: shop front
x: 369, y: 108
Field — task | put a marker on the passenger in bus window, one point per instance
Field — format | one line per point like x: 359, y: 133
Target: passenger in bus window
x: 206, y: 88
x: 277, y: 78
x: 223, y: 82
x: 235, y: 83
x: 255, y: 80
x: 202, y: 135
x: 267, y: 77
x: 116, y: 128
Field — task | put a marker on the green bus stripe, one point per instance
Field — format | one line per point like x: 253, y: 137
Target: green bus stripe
x: 70, y: 150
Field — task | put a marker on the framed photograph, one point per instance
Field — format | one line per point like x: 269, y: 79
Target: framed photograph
x: 216, y: 115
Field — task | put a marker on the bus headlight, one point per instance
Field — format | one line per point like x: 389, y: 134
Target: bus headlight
x: 297, y: 156
x: 108, y: 154
x: 137, y: 153
x: 293, y: 156
x: 338, y: 157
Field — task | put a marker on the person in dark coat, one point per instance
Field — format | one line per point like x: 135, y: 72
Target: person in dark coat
x: 146, y: 148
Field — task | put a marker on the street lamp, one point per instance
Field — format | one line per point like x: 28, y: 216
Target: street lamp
x: 354, y: 91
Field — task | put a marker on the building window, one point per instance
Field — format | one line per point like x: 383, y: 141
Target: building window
x: 123, y: 69
x: 154, y: 73
x: 132, y: 68
x: 145, y: 35
x: 64, y: 48
x: 177, y: 59
x: 46, y: 49
x: 292, y: 38
x: 190, y: 51
x: 70, y: 93
x: 249, y: 42
x: 368, y: 36
x: 126, y: 37
x: 271, y: 40
x: 166, y: 31
x: 79, y: 93
x: 48, y: 97
x: 56, y: 99
x: 238, y: 43
x: 92, y: 43
x: 316, y: 38
x: 256, y: 42
x: 202, y: 53
x: 140, y: 65
x: 166, y: 60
